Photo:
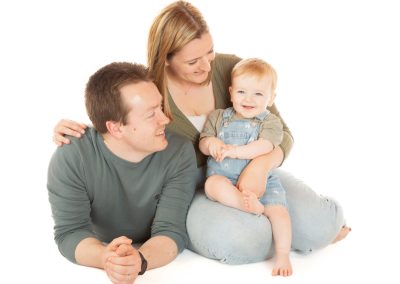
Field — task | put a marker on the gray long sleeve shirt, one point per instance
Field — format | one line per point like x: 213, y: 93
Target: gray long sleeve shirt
x: 94, y: 193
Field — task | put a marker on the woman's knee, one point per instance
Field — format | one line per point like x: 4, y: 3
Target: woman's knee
x: 227, y: 234
x: 316, y: 219
x: 318, y: 228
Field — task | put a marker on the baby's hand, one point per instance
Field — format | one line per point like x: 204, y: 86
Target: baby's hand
x: 216, y: 147
x: 229, y: 151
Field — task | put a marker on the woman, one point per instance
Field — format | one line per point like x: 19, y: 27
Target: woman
x: 194, y: 81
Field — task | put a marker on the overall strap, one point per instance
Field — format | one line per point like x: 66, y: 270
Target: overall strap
x: 227, y: 116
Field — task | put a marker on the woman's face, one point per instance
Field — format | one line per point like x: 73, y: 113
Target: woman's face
x: 193, y: 62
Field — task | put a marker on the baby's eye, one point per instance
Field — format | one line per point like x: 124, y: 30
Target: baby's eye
x: 259, y: 94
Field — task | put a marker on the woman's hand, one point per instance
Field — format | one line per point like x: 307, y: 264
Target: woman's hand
x: 67, y: 127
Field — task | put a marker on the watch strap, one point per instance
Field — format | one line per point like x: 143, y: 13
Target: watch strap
x: 144, y: 264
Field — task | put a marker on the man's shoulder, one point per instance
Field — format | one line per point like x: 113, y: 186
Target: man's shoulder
x: 180, y: 151
x: 78, y: 146
x: 86, y: 140
x: 177, y: 146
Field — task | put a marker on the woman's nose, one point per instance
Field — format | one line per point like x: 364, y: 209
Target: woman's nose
x: 205, y: 65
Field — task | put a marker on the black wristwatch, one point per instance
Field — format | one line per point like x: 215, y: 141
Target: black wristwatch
x: 144, y: 264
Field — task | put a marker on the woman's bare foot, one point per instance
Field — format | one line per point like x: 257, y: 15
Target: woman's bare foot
x: 342, y: 234
x: 251, y: 203
x: 282, y: 266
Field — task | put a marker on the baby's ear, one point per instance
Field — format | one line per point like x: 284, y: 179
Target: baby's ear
x: 230, y: 92
x: 271, y: 99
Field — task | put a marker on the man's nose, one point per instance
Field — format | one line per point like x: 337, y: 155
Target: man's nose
x: 163, y: 119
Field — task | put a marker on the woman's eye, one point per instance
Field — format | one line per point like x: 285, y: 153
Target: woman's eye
x: 192, y: 63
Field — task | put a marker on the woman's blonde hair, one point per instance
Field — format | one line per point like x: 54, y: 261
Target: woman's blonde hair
x: 176, y: 25
x: 255, y: 67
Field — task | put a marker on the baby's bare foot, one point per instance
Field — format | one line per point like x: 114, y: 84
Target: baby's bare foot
x: 342, y: 234
x: 282, y: 266
x: 251, y: 203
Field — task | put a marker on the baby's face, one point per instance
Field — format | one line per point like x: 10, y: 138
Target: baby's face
x: 250, y: 95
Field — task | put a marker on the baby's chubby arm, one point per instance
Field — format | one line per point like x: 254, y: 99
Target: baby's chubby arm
x: 249, y: 151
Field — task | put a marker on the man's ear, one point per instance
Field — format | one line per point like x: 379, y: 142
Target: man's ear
x: 114, y: 128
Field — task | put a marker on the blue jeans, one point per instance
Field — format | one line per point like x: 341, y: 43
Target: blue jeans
x: 235, y: 237
x: 274, y: 193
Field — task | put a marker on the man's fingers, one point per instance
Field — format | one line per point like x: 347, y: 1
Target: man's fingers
x: 125, y: 249
x: 122, y: 273
x: 119, y: 241
x: 129, y: 260
x: 117, y: 278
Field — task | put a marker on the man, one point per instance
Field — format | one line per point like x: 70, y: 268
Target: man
x: 125, y: 179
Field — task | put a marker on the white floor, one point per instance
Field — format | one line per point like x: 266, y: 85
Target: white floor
x: 338, y: 90
x: 349, y: 261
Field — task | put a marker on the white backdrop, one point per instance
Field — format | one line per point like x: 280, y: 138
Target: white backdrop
x: 338, y: 89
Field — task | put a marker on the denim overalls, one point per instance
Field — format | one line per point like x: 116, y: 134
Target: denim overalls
x: 241, y: 132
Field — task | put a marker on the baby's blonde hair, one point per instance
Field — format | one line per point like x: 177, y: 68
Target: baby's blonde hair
x: 255, y: 67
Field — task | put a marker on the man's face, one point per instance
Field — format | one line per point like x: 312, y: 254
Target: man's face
x: 144, y: 132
